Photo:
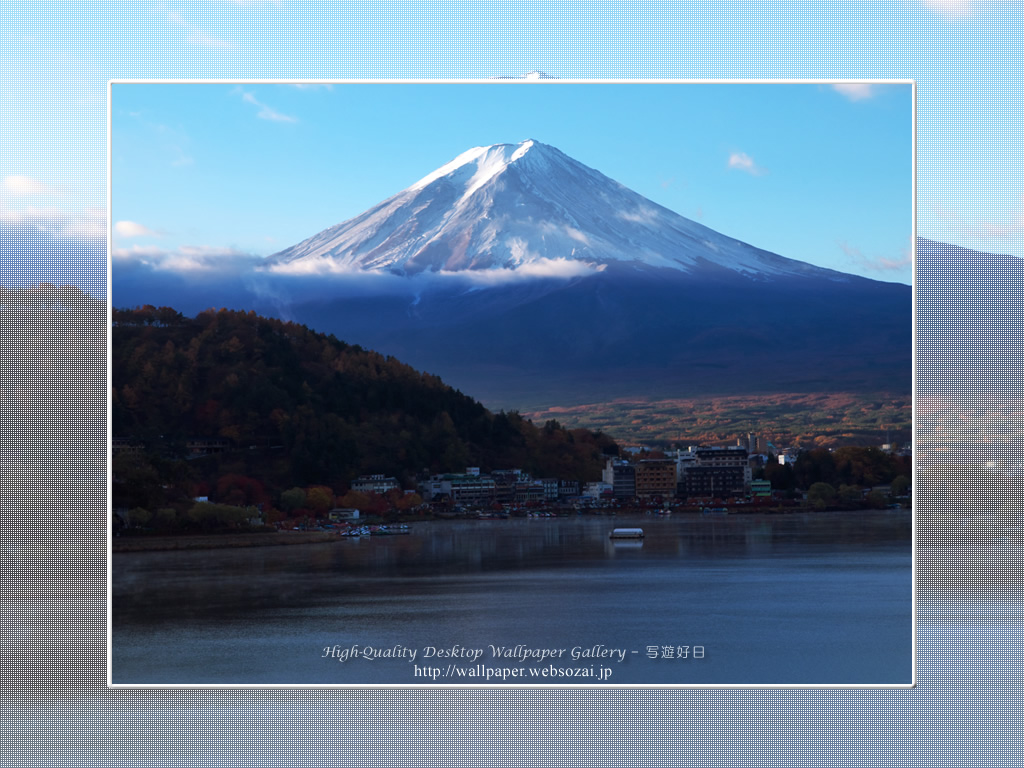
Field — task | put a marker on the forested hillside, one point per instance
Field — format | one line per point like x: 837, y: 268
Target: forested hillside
x: 288, y: 406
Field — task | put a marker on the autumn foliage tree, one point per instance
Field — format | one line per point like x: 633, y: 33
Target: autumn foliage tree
x: 291, y: 408
x: 240, y: 490
x: 850, y: 465
x: 319, y: 500
x: 293, y: 499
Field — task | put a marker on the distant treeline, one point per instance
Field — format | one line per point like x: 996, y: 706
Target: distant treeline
x: 860, y: 466
x: 296, y: 408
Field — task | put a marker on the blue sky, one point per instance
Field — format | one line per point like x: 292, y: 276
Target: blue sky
x: 817, y: 172
x: 56, y: 59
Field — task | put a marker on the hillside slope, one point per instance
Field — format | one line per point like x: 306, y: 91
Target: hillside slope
x: 316, y: 409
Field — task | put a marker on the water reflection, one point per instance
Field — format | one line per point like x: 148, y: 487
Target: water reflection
x: 830, y: 597
x: 622, y: 546
x: 148, y: 585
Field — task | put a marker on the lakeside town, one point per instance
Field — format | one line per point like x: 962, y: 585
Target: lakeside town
x: 709, y: 480
x: 232, y: 422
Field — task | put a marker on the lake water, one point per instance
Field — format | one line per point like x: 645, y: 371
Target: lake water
x: 793, y: 599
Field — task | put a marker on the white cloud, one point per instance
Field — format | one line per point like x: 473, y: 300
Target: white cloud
x: 55, y: 245
x: 557, y: 230
x: 310, y: 267
x: 994, y: 228
x: 638, y: 216
x: 132, y: 229
x: 198, y: 35
x: 1008, y: 225
x: 743, y: 162
x: 267, y: 113
x: 855, y: 91
x: 208, y: 259
x: 24, y: 186
x: 187, y: 258
x: 953, y: 9
x: 943, y: 213
x: 89, y: 224
x: 540, y: 268
x: 142, y: 254
x: 877, y: 263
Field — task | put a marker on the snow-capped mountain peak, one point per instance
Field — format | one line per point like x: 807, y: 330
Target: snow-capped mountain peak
x: 480, y: 164
x: 525, y: 206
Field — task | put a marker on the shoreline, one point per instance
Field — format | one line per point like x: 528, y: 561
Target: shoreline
x: 219, y: 541
x: 171, y: 543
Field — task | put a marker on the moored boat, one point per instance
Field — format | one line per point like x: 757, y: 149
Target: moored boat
x: 715, y: 511
x: 627, y: 533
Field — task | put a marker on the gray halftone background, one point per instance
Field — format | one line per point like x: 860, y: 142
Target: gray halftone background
x: 57, y: 709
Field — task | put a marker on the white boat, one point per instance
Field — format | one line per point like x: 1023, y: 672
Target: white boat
x: 627, y: 533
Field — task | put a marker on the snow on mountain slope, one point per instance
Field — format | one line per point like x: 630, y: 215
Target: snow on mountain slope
x: 527, y: 208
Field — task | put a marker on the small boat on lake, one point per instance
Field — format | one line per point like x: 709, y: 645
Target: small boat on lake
x: 389, y: 530
x: 627, y: 533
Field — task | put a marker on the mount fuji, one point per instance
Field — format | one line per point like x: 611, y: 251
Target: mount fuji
x: 528, y: 207
x: 524, y: 277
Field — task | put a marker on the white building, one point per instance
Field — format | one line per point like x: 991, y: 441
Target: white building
x: 684, y: 461
x: 597, y: 489
x: 460, y: 488
x: 378, y: 484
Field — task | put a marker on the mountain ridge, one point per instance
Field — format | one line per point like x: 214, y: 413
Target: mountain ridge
x: 528, y: 279
x: 508, y: 206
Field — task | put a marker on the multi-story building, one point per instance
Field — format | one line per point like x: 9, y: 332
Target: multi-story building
x: 715, y: 472
x: 621, y: 476
x: 624, y: 481
x: 459, y: 488
x: 472, y: 489
x: 725, y: 457
x: 529, y: 492
x: 568, y: 488
x: 433, y: 487
x: 505, y: 484
x: 550, y: 488
x: 655, y: 478
x: 712, y: 482
x: 378, y: 484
